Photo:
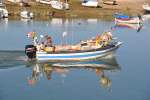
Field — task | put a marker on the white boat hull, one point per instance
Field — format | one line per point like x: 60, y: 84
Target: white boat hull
x: 90, y: 4
x: 48, y: 2
x: 59, y: 5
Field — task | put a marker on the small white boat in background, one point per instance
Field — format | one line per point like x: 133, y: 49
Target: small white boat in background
x: 48, y: 2
x: 3, y: 11
x: 146, y: 7
x: 90, y: 3
x: 26, y: 14
x: 59, y: 5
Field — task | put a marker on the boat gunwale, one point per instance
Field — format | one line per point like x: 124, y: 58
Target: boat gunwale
x: 80, y: 51
x: 104, y: 49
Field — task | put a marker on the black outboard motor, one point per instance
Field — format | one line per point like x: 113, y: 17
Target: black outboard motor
x: 30, y: 51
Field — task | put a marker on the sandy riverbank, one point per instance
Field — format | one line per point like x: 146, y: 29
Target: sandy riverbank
x: 78, y: 11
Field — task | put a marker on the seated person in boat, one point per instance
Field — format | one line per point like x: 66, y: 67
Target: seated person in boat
x: 107, y: 37
x: 100, y: 41
x: 104, y: 39
x: 49, y: 44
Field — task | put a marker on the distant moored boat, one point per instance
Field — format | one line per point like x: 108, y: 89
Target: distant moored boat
x: 90, y: 3
x: 48, y: 2
x: 146, y: 7
x: 3, y: 11
x: 121, y: 18
x: 26, y: 14
x: 59, y: 5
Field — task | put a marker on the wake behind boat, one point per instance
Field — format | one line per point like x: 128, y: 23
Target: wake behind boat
x: 101, y: 46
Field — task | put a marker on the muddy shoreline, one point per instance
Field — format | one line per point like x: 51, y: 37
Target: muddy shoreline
x: 42, y: 11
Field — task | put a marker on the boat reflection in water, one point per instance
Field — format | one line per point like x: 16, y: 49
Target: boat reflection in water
x: 146, y: 17
x: 137, y: 26
x: 99, y: 67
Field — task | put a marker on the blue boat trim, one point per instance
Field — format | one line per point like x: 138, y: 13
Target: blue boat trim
x: 70, y: 56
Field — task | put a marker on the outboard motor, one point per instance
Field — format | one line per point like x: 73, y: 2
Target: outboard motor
x: 30, y: 51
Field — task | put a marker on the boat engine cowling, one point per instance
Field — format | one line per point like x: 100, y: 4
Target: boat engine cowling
x: 30, y: 51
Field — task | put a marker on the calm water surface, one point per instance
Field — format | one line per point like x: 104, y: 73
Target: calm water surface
x: 125, y: 76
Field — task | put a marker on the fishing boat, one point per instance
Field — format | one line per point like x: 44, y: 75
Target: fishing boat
x: 77, y: 55
x: 26, y: 14
x: 121, y: 18
x: 59, y: 5
x: 146, y: 7
x: 84, y: 50
x: 3, y: 11
x: 90, y: 3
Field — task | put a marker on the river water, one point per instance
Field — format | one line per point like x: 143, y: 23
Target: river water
x: 124, y: 76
